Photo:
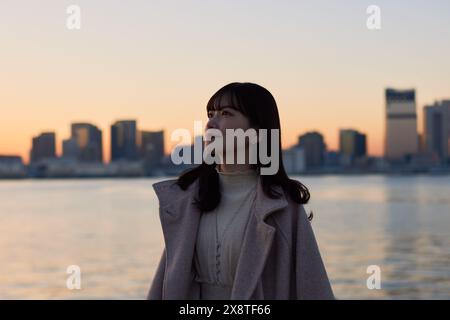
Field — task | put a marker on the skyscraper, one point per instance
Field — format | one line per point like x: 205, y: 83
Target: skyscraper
x: 294, y: 160
x: 352, y: 145
x: 437, y: 130
x: 151, y: 149
x: 70, y: 149
x: 401, y: 138
x: 85, y: 143
x: 314, y: 147
x: 124, y: 141
x: 43, y: 147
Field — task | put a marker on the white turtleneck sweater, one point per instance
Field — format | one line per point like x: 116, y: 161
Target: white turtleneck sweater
x: 216, y: 262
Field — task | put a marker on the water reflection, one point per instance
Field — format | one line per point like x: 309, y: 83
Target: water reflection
x: 416, y: 263
x: 111, y: 229
x: 398, y: 223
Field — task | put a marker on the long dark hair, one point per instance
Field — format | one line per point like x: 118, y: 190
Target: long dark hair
x: 259, y: 106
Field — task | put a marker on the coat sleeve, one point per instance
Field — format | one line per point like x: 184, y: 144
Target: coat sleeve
x: 311, y: 277
x: 156, y: 288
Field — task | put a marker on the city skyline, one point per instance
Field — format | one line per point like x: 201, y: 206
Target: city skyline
x: 159, y: 63
x: 106, y: 152
x: 135, y: 151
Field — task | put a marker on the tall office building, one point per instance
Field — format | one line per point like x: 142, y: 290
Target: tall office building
x: 70, y: 149
x: 124, y: 141
x: 294, y: 160
x: 85, y: 143
x: 401, y: 138
x: 352, y: 143
x: 43, y: 147
x: 151, y: 149
x: 314, y: 147
x: 436, y: 136
x: 11, y: 166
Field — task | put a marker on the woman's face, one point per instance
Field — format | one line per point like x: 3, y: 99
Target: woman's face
x: 226, y: 117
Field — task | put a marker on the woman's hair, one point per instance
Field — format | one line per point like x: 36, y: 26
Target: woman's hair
x: 259, y: 106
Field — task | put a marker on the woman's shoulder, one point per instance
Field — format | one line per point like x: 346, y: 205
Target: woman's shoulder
x: 169, y: 190
x: 296, y: 209
x: 164, y: 184
x: 293, y: 216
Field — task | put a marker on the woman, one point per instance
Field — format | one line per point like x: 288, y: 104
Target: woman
x: 231, y: 232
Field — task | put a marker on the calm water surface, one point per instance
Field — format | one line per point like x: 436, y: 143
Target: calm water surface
x: 111, y: 230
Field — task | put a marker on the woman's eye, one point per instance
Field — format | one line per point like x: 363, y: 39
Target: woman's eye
x: 210, y: 114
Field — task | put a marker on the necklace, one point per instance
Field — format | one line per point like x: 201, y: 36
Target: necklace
x: 219, y: 242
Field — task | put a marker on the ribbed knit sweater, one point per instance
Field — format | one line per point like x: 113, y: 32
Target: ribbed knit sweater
x: 216, y: 261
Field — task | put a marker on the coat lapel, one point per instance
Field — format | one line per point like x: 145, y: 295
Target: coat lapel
x: 256, y: 245
x: 180, y: 220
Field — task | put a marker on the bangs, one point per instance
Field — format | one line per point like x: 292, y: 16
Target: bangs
x: 226, y: 97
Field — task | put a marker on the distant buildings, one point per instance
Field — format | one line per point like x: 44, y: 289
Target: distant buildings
x: 352, y: 146
x: 141, y: 153
x: 310, y: 154
x: 436, y: 136
x: 70, y: 149
x: 65, y: 168
x: 85, y: 143
x: 401, y: 138
x: 151, y: 149
x: 314, y: 148
x: 124, y: 141
x: 43, y: 147
x: 133, y: 153
x: 332, y: 160
x: 294, y: 160
x: 11, y: 167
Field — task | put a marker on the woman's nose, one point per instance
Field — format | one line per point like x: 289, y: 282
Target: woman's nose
x: 212, y: 123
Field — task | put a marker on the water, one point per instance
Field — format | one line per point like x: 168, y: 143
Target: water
x: 111, y: 230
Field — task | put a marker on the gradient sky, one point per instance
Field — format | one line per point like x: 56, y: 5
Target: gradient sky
x: 160, y: 61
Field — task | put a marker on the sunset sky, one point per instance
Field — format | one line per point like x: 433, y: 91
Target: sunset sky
x: 160, y: 61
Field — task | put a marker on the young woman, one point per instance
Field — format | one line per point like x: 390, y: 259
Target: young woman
x: 231, y: 232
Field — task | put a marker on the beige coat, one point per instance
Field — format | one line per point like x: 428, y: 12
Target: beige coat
x: 279, y: 255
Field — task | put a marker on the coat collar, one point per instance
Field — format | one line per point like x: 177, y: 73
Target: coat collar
x: 180, y: 219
